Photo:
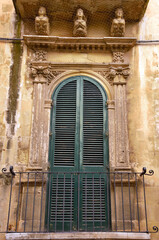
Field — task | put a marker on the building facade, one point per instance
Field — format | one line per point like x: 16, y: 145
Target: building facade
x: 79, y: 119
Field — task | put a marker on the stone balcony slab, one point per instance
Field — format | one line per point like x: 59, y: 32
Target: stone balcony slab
x: 133, y: 9
x: 78, y: 236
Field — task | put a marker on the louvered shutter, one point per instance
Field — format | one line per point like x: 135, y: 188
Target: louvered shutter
x: 78, y: 140
x: 65, y: 123
x: 92, y: 125
x: 94, y: 188
x: 62, y: 185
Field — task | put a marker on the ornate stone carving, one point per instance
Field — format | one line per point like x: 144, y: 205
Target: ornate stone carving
x: 121, y: 71
x: 105, y: 74
x: 118, y: 24
x: 42, y: 22
x: 44, y: 71
x: 80, y: 26
x: 118, y: 57
x: 40, y: 55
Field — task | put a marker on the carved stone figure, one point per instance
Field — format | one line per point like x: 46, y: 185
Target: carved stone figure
x: 118, y: 24
x: 42, y: 22
x: 80, y: 26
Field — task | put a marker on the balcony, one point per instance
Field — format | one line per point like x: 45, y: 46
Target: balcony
x: 70, y: 205
x: 99, y: 9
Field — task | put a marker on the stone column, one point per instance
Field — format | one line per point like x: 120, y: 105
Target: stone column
x: 119, y: 76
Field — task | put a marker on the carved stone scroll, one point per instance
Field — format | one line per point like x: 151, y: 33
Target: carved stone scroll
x: 80, y: 26
x: 42, y: 22
x: 118, y: 24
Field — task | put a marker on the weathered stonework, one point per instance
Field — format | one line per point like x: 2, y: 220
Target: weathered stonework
x: 118, y: 24
x: 42, y: 22
x: 118, y: 57
x: 40, y: 55
x: 80, y: 26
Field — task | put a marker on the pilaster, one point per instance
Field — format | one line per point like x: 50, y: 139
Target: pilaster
x: 118, y: 76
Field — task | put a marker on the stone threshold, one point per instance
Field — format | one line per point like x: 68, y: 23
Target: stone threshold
x: 78, y: 235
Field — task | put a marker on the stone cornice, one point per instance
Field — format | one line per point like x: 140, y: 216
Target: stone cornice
x: 80, y: 44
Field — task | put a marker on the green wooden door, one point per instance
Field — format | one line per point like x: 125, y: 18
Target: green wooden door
x: 78, y: 156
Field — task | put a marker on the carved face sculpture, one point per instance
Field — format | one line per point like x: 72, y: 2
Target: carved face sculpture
x: 42, y: 11
x: 119, y: 13
x: 80, y: 13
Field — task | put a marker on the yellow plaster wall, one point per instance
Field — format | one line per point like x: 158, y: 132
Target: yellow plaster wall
x: 143, y: 107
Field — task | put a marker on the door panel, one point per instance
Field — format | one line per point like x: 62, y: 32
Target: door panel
x: 78, y: 157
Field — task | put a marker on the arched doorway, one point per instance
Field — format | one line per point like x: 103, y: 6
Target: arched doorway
x: 78, y: 156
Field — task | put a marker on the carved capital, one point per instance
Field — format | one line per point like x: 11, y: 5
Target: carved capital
x: 43, y: 71
x: 118, y: 71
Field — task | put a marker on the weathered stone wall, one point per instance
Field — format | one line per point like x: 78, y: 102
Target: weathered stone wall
x: 142, y: 94
x: 143, y: 107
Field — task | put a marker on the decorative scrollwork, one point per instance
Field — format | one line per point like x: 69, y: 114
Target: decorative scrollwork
x: 11, y: 171
x: 144, y: 170
x: 155, y: 228
x: 4, y: 170
x: 151, y: 172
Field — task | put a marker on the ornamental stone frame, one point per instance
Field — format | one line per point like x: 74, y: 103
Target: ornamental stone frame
x: 46, y: 77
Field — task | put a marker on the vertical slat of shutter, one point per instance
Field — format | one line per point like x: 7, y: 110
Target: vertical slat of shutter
x: 65, y: 125
x: 92, y: 125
